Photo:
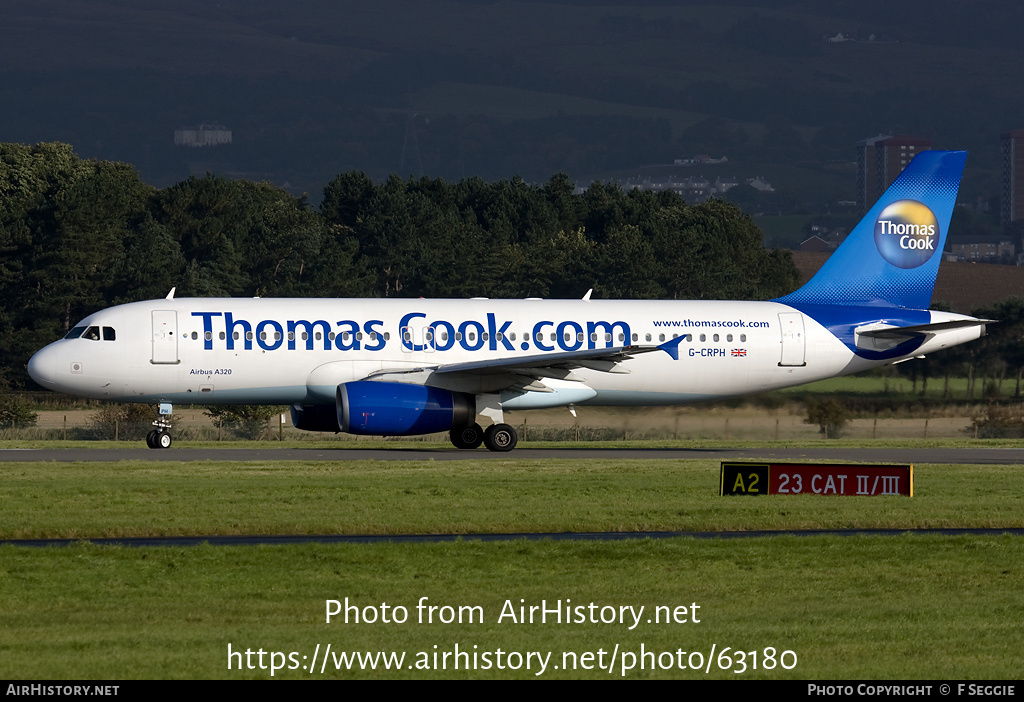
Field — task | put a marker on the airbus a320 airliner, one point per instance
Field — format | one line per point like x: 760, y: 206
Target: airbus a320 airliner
x: 399, y: 367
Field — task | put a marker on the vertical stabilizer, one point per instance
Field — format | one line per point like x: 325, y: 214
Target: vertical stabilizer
x: 892, y: 256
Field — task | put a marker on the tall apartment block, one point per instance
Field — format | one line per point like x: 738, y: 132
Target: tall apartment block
x: 1012, y: 206
x: 880, y: 159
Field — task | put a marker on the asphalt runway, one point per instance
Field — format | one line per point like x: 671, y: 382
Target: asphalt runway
x: 961, y: 456
x: 274, y: 540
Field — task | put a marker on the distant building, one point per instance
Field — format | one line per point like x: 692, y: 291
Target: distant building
x: 982, y: 249
x: 203, y: 135
x: 816, y: 244
x: 1012, y: 206
x: 879, y: 160
x: 724, y: 185
x: 823, y: 239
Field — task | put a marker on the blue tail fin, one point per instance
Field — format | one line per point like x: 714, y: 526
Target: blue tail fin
x: 892, y: 256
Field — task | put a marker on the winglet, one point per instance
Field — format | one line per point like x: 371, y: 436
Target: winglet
x: 671, y: 347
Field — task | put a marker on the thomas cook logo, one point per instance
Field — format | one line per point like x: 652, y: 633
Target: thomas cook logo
x: 906, y: 233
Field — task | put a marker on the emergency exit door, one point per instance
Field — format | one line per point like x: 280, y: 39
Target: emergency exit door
x: 165, y: 336
x: 793, y: 343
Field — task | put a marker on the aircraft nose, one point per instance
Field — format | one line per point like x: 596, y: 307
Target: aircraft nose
x: 42, y: 367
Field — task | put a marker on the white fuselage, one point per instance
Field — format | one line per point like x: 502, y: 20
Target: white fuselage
x: 297, y: 351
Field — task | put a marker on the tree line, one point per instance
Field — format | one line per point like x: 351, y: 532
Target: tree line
x: 79, y: 235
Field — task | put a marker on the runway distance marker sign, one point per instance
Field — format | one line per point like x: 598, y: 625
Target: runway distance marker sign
x: 863, y: 480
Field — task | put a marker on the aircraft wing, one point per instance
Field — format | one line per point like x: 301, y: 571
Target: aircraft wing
x: 606, y: 360
x: 519, y: 372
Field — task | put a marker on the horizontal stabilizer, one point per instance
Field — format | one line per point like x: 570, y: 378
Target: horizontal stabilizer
x: 921, y: 329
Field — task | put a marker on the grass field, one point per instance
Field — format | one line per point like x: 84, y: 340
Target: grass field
x: 130, y: 498
x: 872, y: 607
x: 848, y: 607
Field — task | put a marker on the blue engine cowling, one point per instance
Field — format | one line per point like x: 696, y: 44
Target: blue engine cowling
x: 400, y: 409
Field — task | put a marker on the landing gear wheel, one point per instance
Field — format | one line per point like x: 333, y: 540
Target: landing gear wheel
x: 468, y: 437
x: 500, y: 437
x: 163, y: 440
x: 151, y: 439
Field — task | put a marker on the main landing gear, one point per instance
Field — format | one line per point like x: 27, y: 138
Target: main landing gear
x: 160, y: 437
x: 497, y: 437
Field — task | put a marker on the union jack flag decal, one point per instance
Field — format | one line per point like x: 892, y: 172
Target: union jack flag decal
x: 739, y: 352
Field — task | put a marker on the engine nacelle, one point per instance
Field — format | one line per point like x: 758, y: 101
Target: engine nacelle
x: 315, y: 418
x: 400, y: 409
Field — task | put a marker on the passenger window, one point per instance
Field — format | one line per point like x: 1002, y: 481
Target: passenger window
x: 195, y: 335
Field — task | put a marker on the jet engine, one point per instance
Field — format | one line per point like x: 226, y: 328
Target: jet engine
x: 400, y: 409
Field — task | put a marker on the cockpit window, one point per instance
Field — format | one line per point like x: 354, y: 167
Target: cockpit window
x: 108, y: 334
x: 92, y: 333
x: 74, y: 333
